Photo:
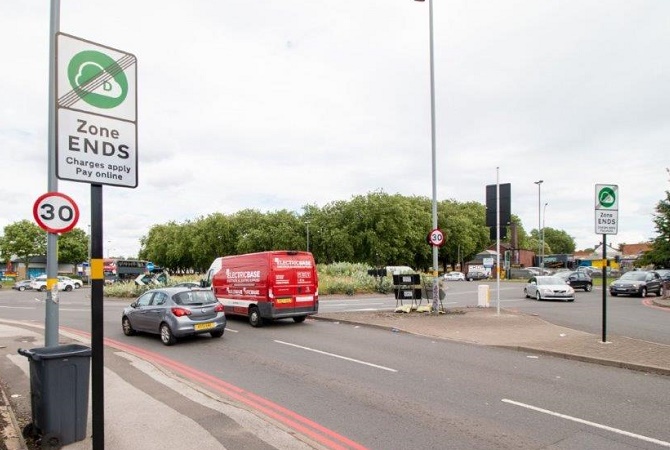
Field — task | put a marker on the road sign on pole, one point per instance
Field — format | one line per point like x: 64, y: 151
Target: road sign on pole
x: 55, y: 212
x: 607, y: 209
x: 436, y: 238
x: 96, y: 131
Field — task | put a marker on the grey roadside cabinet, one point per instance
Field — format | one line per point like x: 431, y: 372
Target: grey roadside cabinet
x: 59, y: 381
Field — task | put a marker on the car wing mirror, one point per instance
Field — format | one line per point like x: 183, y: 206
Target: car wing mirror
x: 133, y: 305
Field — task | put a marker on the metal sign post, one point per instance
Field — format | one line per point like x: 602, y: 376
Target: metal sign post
x: 606, y: 222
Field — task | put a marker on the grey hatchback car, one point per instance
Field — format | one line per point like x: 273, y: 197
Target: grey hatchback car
x: 174, y: 313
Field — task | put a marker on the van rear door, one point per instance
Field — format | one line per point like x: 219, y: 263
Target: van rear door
x: 294, y: 283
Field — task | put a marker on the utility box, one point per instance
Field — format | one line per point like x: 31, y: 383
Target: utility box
x: 483, y: 296
x: 59, y: 380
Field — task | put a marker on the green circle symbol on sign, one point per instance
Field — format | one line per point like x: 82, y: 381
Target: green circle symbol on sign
x: 97, y: 79
x: 607, y: 197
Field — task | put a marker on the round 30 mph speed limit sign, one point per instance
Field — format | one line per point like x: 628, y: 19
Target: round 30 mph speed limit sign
x: 436, y: 238
x: 55, y: 212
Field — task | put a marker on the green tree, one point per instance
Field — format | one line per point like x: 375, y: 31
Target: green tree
x: 73, y: 247
x: 466, y: 234
x: 559, y: 241
x: 659, y: 255
x: 24, y: 240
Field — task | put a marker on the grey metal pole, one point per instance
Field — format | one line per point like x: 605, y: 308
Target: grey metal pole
x: 539, y: 220
x: 433, y: 152
x: 544, y: 217
x: 51, y: 315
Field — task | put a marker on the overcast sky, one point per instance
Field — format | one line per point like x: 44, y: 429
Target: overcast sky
x: 273, y: 105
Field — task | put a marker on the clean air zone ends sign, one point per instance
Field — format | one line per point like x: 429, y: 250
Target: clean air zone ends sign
x: 96, y: 139
x: 607, y: 209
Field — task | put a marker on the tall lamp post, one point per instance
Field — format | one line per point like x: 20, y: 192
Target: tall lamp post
x: 432, y: 135
x: 539, y: 220
x: 544, y: 216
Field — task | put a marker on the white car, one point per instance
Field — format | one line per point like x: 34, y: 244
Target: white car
x: 454, y: 276
x: 77, y: 283
x: 40, y: 284
x: 549, y: 288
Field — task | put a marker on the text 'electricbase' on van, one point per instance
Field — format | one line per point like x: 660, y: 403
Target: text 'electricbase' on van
x: 266, y: 286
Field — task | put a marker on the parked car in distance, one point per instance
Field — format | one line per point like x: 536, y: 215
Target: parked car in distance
x: 589, y: 270
x: 549, y: 288
x: 537, y: 271
x: 23, y: 285
x: 664, y: 274
x: 77, y: 283
x: 173, y: 313
x: 637, y: 282
x: 454, y: 276
x: 578, y: 280
x: 473, y: 275
x: 40, y: 284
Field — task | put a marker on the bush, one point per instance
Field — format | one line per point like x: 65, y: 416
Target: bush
x: 338, y: 278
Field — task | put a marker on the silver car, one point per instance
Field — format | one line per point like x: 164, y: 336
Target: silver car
x: 173, y: 313
x: 549, y: 288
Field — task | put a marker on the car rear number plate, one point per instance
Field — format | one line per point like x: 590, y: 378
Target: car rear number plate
x: 204, y: 326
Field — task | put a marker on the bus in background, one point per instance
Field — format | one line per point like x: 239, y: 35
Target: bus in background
x: 126, y: 269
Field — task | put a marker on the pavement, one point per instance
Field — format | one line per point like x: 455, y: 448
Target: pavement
x: 146, y: 398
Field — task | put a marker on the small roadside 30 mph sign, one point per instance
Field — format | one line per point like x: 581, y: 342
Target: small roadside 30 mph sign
x: 607, y: 209
x: 55, y: 212
x: 436, y: 238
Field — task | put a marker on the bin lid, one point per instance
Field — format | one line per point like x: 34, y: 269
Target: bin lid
x: 56, y: 352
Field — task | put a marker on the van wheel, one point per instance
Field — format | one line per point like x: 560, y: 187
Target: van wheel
x: 68, y: 288
x: 255, y: 318
x: 299, y: 319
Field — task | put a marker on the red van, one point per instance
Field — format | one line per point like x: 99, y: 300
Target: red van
x: 267, y: 285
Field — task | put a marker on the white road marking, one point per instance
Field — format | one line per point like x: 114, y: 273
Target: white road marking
x: 18, y: 307
x: 592, y: 424
x: 362, y: 309
x: 328, y: 303
x: 337, y: 356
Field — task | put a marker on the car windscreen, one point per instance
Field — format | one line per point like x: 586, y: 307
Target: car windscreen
x: 634, y: 276
x: 549, y: 281
x: 194, y: 298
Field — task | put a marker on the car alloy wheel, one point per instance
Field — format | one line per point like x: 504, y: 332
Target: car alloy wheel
x: 166, y: 335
